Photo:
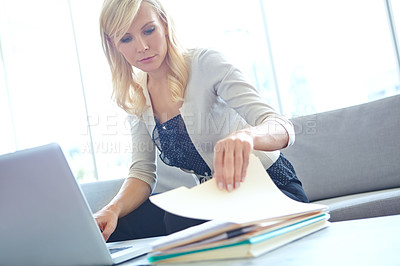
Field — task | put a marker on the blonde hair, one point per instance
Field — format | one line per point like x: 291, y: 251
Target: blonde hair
x: 115, y: 20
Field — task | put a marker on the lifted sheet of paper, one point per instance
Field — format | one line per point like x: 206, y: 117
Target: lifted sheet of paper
x: 257, y: 199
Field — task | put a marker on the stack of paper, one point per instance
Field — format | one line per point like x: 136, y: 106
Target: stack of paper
x: 247, y: 222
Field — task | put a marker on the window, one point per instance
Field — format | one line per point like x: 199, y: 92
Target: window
x: 108, y: 135
x: 233, y: 28
x: 395, y: 8
x: 331, y: 54
x: 42, y: 87
x: 7, y: 136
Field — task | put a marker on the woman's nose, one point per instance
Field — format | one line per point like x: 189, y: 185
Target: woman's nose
x: 141, y: 46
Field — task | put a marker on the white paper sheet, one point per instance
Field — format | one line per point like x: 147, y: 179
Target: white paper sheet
x: 258, y: 198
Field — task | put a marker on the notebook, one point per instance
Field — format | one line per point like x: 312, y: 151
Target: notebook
x: 45, y: 218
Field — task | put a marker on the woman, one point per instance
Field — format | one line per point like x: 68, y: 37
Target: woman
x: 193, y: 106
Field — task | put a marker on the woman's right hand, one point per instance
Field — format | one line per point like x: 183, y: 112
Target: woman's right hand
x: 132, y: 193
x: 107, y: 221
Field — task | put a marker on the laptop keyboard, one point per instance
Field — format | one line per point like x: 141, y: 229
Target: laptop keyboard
x: 114, y: 250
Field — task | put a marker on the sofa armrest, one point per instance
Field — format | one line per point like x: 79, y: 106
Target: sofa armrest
x: 364, y: 205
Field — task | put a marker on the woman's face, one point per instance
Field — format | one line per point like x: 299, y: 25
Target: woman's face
x: 144, y: 46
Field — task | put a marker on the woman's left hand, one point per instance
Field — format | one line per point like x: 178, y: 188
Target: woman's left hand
x: 231, y: 159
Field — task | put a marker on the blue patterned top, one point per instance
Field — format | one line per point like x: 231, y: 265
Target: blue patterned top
x: 177, y: 149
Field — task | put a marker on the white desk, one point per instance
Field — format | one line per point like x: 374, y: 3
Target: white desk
x: 374, y: 241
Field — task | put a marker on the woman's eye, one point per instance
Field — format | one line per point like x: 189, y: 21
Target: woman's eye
x: 149, y: 31
x: 126, y: 39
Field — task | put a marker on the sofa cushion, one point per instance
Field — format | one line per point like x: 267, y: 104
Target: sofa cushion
x: 348, y: 151
x: 364, y: 205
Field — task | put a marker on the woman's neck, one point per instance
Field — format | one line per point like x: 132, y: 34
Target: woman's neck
x: 164, y: 108
x: 159, y: 78
x: 157, y: 83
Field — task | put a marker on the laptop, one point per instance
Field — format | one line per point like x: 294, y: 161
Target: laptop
x: 45, y: 218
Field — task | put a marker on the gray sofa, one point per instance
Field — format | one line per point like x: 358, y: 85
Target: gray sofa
x: 348, y: 159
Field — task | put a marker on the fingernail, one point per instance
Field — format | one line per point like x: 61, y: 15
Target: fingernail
x: 220, y: 185
x: 229, y: 187
x: 237, y: 184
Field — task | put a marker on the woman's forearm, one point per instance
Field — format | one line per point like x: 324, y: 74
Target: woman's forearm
x: 268, y: 136
x: 131, y: 195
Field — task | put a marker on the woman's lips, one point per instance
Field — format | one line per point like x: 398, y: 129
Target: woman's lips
x: 147, y: 59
